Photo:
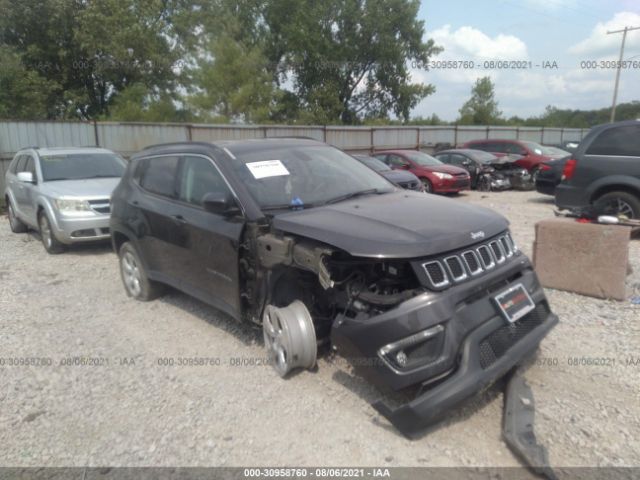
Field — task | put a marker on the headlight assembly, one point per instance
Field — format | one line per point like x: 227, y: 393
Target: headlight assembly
x: 71, y: 205
x: 443, y: 176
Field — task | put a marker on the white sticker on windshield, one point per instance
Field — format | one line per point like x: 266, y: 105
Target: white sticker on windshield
x: 267, y: 168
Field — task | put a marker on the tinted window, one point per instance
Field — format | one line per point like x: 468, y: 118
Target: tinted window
x: 159, y: 176
x: 623, y: 141
x: 423, y: 159
x: 373, y: 163
x: 22, y: 160
x: 443, y: 157
x: 199, y: 177
x: 77, y: 166
x: 457, y: 159
x: 396, y: 160
x: 30, y: 166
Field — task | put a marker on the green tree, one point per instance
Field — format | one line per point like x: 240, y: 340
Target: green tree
x: 91, y: 51
x: 482, y: 107
x: 24, y: 94
x: 349, y: 59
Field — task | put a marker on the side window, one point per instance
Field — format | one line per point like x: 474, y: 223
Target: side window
x: 457, y: 160
x: 396, y: 160
x: 622, y: 141
x: 22, y: 160
x: 514, y: 148
x: 444, y: 157
x: 198, y: 177
x: 382, y: 157
x: 30, y: 166
x: 497, y: 147
x: 159, y: 176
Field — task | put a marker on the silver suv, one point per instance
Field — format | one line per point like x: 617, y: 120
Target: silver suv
x: 64, y: 193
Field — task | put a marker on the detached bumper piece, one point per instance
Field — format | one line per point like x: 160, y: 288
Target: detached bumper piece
x: 517, y: 428
x: 487, y: 354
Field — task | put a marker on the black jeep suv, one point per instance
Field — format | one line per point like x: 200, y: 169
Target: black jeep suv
x: 604, y: 171
x: 303, y: 240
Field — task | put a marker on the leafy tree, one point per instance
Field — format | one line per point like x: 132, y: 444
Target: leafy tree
x: 24, y: 94
x: 91, y: 51
x: 348, y: 59
x: 482, y: 107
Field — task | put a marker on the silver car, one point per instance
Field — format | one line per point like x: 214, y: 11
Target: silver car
x: 64, y: 193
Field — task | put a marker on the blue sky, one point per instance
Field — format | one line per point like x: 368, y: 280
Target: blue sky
x: 563, y: 31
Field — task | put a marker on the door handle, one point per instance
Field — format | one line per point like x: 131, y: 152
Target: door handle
x: 179, y: 218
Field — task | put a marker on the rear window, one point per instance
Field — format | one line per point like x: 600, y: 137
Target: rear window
x: 621, y: 141
x: 159, y: 176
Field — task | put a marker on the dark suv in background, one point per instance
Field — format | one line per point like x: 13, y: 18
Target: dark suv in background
x: 604, y: 171
x: 303, y: 240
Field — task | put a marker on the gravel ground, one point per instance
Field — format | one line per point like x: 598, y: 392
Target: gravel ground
x: 129, y: 410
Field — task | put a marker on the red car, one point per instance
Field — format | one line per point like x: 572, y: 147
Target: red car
x: 533, y: 154
x: 436, y: 176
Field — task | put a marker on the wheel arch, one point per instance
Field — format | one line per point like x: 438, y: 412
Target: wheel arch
x: 615, y: 186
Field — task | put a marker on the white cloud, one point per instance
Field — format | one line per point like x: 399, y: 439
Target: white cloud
x: 598, y: 42
x: 468, y: 43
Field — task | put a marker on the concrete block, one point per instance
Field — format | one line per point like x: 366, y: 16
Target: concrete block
x: 584, y: 258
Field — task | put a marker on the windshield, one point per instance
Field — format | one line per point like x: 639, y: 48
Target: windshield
x: 305, y: 176
x: 483, y: 157
x: 423, y: 159
x: 373, y: 163
x: 534, y: 147
x: 78, y: 166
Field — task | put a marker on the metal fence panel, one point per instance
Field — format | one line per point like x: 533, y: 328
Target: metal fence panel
x: 130, y: 138
x: 466, y: 134
x: 317, y: 133
x: 506, y: 133
x: 17, y: 135
x: 531, y: 134
x: 551, y: 136
x: 431, y: 136
x: 390, y: 137
x: 350, y: 138
x: 212, y: 133
x: 573, y: 134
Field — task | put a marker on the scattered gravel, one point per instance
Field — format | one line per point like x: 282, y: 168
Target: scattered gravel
x: 128, y: 409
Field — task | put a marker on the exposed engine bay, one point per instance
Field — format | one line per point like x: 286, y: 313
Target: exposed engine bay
x: 504, y: 173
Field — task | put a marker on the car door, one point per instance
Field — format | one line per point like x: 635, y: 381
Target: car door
x: 212, y: 240
x: 464, y: 162
x: 30, y: 191
x: 162, y: 239
x: 23, y: 191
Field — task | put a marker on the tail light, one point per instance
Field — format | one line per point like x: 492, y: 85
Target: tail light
x: 569, y: 169
x: 544, y: 166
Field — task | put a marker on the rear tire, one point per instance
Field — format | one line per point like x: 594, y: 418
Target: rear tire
x: 617, y: 203
x: 51, y: 244
x: 14, y: 222
x: 134, y: 276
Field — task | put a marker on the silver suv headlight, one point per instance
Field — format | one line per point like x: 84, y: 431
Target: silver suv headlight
x: 71, y: 205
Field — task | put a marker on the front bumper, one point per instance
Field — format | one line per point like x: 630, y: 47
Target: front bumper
x: 70, y: 230
x: 462, y: 365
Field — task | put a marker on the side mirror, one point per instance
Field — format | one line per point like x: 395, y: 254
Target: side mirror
x: 219, y: 203
x: 405, y: 166
x: 26, y: 177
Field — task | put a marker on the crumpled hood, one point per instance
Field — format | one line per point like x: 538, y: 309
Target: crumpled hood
x: 395, y: 225
x: 88, y: 188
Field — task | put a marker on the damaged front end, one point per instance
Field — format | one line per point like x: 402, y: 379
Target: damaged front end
x: 429, y: 324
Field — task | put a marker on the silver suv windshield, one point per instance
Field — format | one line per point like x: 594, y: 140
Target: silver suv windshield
x: 79, y: 166
x: 306, y: 176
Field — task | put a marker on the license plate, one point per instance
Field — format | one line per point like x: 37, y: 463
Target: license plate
x: 514, y: 303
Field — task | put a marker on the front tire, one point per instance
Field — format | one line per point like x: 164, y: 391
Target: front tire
x: 428, y: 186
x: 15, y: 223
x: 51, y: 244
x: 134, y: 276
x: 618, y: 203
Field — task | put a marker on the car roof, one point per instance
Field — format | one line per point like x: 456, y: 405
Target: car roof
x: 396, y: 150
x: 468, y: 151
x: 236, y: 147
x: 486, y: 140
x: 44, y: 151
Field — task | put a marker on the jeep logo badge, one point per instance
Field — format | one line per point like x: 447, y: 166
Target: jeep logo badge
x: 477, y: 235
